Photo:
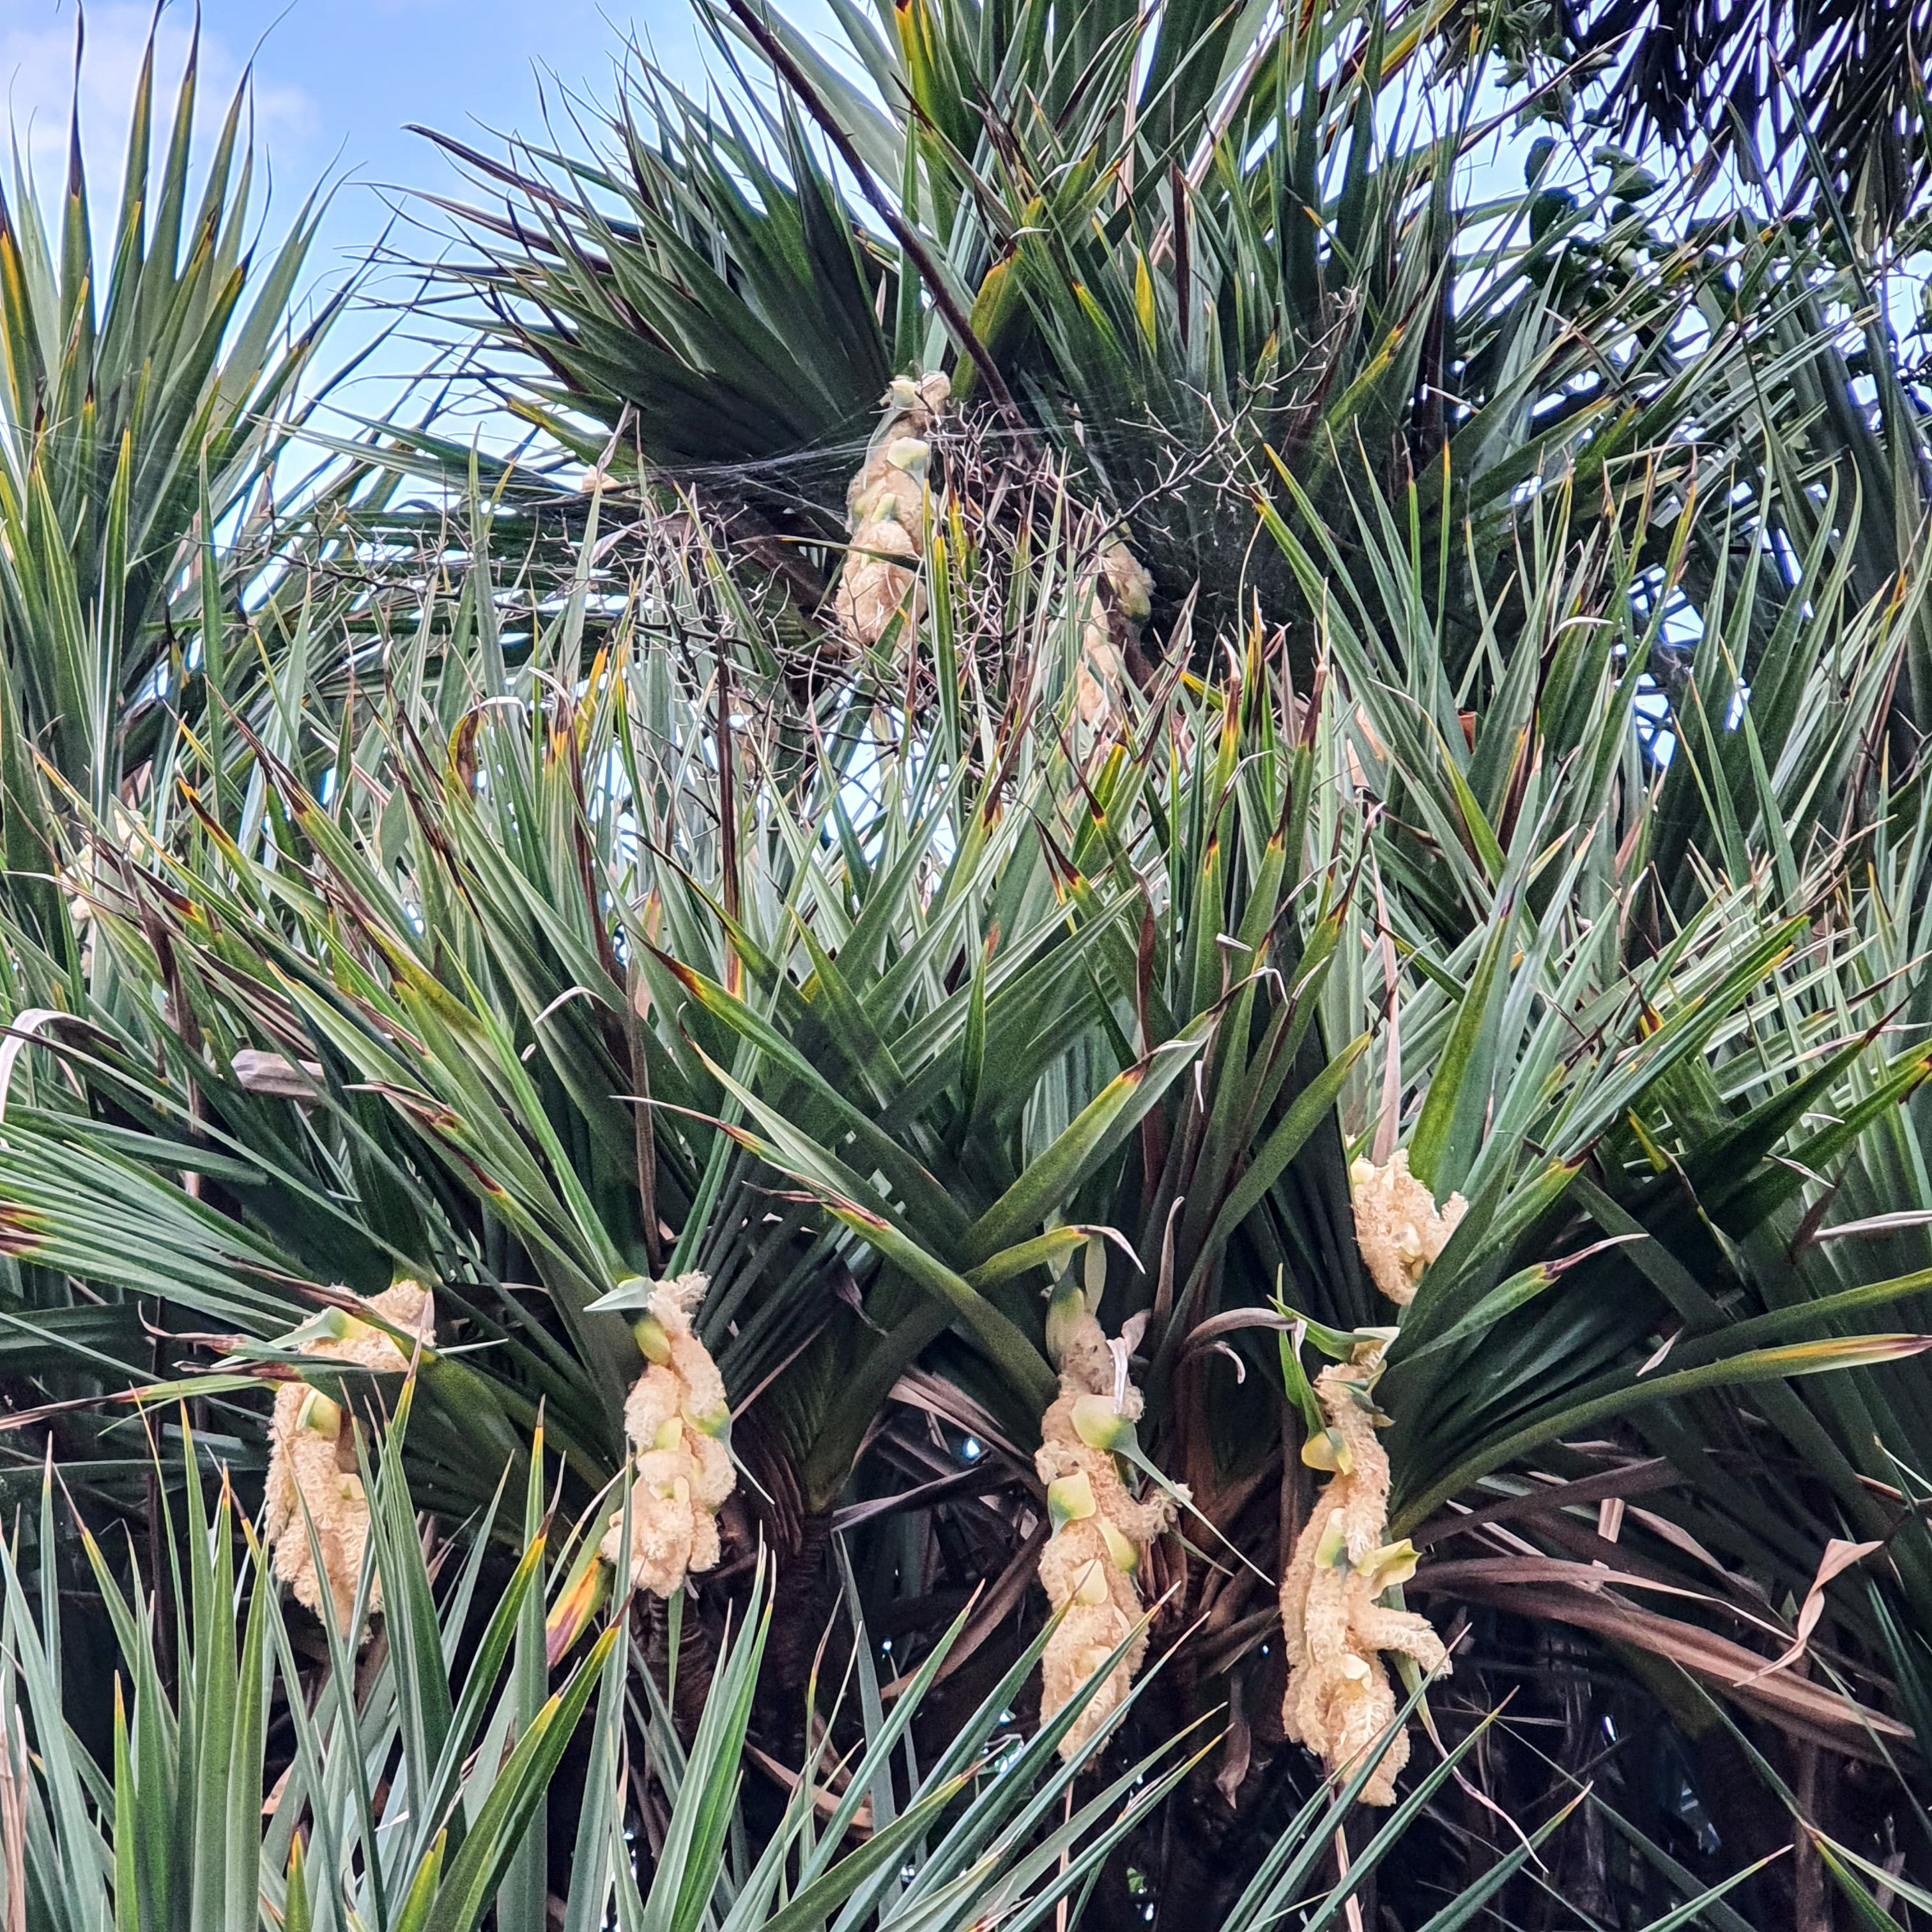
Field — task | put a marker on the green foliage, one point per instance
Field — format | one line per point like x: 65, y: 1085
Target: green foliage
x: 922, y: 1015
x: 261, y: 1776
x: 151, y: 386
x: 1176, y: 254
x: 514, y: 891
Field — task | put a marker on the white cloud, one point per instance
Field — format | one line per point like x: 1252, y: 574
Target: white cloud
x: 37, y: 82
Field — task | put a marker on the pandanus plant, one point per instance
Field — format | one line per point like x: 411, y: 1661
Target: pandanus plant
x: 256, y: 1776
x: 951, y: 1027
x: 886, y: 1036
x: 152, y: 384
x: 617, y: 957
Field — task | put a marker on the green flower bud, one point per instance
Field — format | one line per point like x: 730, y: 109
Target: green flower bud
x: 652, y: 1338
x: 1100, y: 1425
x: 319, y: 1414
x: 1092, y: 1587
x: 718, y: 1424
x: 1363, y: 1396
x: 1328, y: 1451
x: 1064, y: 1308
x: 1070, y: 1499
x: 1394, y: 1563
x: 670, y: 1434
x: 1333, y: 1549
x: 1123, y: 1551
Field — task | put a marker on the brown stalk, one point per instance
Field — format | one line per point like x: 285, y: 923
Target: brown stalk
x: 1801, y: 1709
x: 13, y: 1834
x: 727, y: 830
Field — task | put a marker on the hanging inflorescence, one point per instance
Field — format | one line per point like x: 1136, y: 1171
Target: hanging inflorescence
x: 886, y: 511
x: 1339, y: 1699
x: 677, y: 1420
x: 889, y: 504
x: 314, y: 1483
x: 1340, y: 1702
x: 1091, y: 1565
x: 1115, y: 598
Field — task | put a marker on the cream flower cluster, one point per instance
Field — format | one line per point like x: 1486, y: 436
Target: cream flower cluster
x: 1117, y: 595
x: 1089, y: 1567
x: 1339, y: 1699
x: 1398, y: 1226
x: 312, y: 1467
x: 885, y: 510
x: 676, y: 1417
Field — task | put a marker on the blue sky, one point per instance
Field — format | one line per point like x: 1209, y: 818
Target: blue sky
x: 336, y: 83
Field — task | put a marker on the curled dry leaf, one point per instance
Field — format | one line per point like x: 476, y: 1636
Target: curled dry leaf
x: 1839, y: 1557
